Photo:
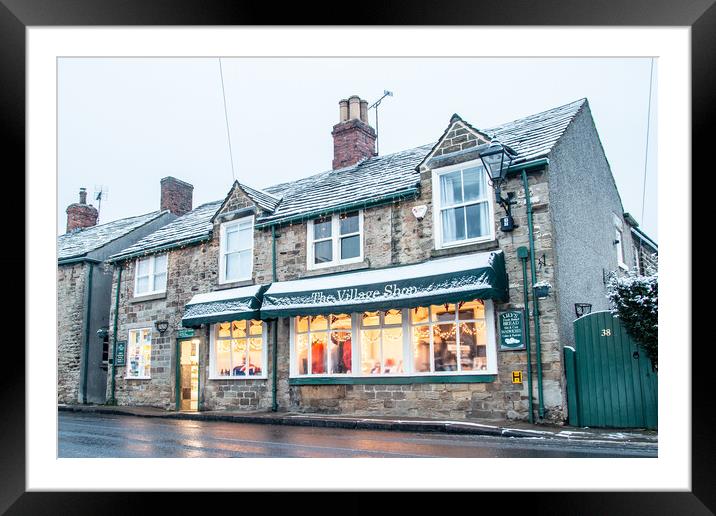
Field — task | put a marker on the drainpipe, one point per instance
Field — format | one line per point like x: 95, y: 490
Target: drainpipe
x: 523, y: 254
x: 535, y: 304
x: 113, y: 401
x: 274, y: 336
x: 85, y: 365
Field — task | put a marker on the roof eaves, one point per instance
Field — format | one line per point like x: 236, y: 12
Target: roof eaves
x: 159, y: 249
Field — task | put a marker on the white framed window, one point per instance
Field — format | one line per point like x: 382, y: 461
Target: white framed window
x: 335, y: 240
x: 151, y: 275
x: 236, y: 253
x: 618, y: 239
x: 139, y: 354
x: 463, y: 205
x: 238, y: 350
x: 450, y: 339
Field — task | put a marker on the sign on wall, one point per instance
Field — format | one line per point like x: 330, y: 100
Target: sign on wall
x: 184, y: 333
x: 512, y: 330
x: 120, y: 353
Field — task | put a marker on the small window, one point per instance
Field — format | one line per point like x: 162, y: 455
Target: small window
x: 151, y: 275
x: 139, y: 353
x: 335, y: 240
x: 237, y: 250
x: 620, y: 249
x: 463, y: 206
x: 238, y: 350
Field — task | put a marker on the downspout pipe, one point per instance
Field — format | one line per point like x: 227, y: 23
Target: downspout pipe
x: 85, y: 352
x: 523, y: 255
x: 535, y: 303
x: 274, y: 334
x: 112, y: 400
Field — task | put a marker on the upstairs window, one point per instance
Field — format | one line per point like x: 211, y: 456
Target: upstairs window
x: 236, y: 250
x: 151, y: 275
x: 335, y: 240
x: 463, y: 205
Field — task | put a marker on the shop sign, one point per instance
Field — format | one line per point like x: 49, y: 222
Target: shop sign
x: 120, y: 353
x: 185, y: 333
x: 512, y: 330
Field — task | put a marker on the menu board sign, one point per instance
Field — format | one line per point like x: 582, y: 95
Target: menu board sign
x: 512, y: 330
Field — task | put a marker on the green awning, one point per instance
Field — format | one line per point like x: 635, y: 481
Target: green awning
x: 447, y: 280
x: 223, y: 305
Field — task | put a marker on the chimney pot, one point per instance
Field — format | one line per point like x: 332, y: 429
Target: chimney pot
x: 343, y: 110
x: 176, y: 196
x: 354, y: 107
x: 83, y: 196
x: 364, y: 111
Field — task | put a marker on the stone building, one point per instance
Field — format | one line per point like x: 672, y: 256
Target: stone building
x: 84, y: 284
x: 389, y: 285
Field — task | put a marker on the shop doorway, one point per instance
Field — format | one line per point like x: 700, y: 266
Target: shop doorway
x: 188, y: 375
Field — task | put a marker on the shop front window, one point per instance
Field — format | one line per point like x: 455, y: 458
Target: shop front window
x: 437, y: 339
x: 238, y: 349
x: 139, y: 353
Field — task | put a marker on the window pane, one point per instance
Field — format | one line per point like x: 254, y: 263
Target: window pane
x: 255, y: 327
x: 302, y: 324
x: 302, y: 354
x: 246, y: 237
x: 160, y: 263
x: 445, y: 347
x: 142, y: 285
x: 224, y: 329
x: 453, y: 222
x: 146, y: 358
x: 323, y: 251
x: 371, y: 319
x: 223, y: 358
x: 255, y: 357
x: 478, y: 220
x: 143, y: 267
x: 370, y: 351
x: 232, y: 266
x: 318, y: 353
x: 444, y: 312
x: 160, y: 282
x: 238, y: 329
x: 393, y: 350
x: 471, y: 310
x: 393, y: 317
x: 349, y: 223
x: 450, y: 189
x: 245, y: 264
x: 340, y: 352
x: 340, y: 322
x: 421, y: 349
x: 322, y: 228
x: 232, y: 239
x: 474, y: 183
x: 419, y: 314
x: 238, y: 357
x: 350, y: 247
x: 319, y: 322
x: 468, y: 347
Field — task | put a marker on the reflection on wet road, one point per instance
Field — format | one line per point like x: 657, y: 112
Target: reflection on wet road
x: 98, y: 435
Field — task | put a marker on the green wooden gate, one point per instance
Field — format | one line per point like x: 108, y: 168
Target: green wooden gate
x: 610, y: 381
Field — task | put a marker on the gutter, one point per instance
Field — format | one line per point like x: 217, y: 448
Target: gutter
x: 165, y: 247
x: 403, y: 194
x: 80, y: 259
x: 537, y: 163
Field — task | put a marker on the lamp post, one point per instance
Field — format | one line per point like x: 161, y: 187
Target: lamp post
x: 496, y: 158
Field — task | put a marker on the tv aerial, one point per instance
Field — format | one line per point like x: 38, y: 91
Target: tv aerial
x: 100, y: 193
x: 375, y: 105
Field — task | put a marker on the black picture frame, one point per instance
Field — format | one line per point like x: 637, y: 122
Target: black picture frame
x: 17, y: 15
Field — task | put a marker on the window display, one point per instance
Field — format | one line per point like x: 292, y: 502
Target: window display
x: 139, y: 352
x: 238, y: 349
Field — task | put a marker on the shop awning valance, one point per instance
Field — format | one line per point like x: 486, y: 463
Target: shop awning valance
x: 224, y: 305
x: 447, y: 280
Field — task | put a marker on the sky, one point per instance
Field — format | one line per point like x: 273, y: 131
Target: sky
x: 125, y: 123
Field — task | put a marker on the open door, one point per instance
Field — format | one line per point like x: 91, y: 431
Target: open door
x: 188, y: 375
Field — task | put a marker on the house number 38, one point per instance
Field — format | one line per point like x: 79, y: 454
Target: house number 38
x: 607, y: 332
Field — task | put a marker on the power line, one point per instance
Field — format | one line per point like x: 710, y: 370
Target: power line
x: 226, y: 117
x: 646, y: 153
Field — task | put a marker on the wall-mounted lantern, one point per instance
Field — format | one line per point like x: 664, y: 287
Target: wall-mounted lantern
x: 161, y: 326
x: 496, y: 158
x: 582, y: 309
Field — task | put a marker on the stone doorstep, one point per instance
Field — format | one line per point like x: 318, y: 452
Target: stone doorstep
x: 378, y: 423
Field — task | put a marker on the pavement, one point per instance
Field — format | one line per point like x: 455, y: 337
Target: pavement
x: 406, y: 424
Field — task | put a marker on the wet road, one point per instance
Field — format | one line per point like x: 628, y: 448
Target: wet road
x: 99, y: 435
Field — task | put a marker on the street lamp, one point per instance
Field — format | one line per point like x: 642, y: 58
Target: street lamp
x: 161, y: 326
x: 496, y: 158
x: 582, y: 309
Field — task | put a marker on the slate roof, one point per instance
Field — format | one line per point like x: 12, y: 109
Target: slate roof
x: 378, y: 177
x: 81, y: 241
x: 190, y: 227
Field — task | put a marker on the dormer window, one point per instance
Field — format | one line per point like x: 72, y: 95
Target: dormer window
x: 236, y: 250
x: 335, y: 240
x: 151, y: 275
x: 463, y: 205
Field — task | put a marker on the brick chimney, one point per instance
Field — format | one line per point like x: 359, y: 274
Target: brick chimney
x: 176, y: 196
x: 353, y: 138
x: 81, y: 214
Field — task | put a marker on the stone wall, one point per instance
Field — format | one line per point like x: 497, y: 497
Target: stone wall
x: 71, y: 280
